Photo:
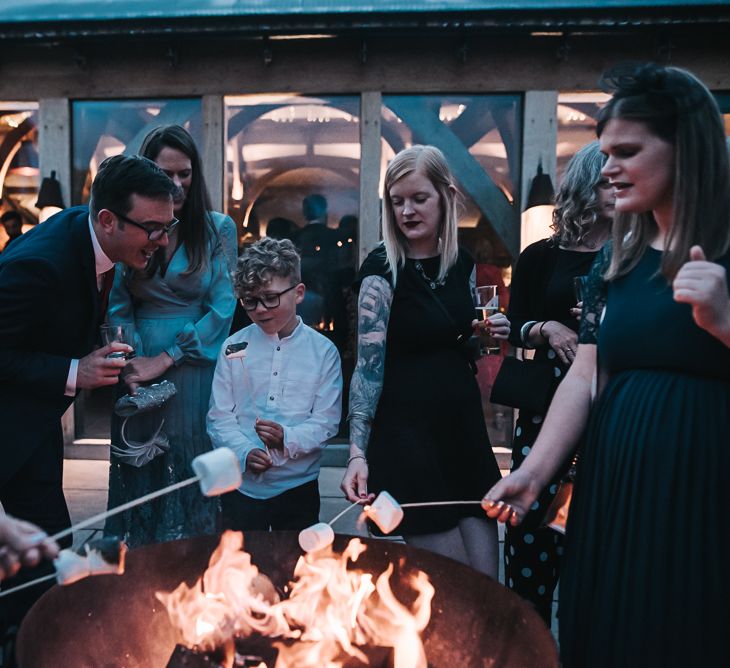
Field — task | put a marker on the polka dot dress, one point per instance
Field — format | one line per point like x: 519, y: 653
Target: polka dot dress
x: 532, y: 553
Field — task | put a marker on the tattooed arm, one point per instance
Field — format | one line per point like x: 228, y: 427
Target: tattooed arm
x: 373, y: 312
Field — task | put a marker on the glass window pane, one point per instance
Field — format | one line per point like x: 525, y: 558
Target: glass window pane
x: 102, y: 129
x: 19, y: 175
x: 480, y: 135
x: 293, y: 170
x: 577, y: 114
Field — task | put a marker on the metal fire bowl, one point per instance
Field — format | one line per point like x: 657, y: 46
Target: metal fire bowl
x: 113, y: 621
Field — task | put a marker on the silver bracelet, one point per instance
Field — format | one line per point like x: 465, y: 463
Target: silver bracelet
x: 525, y: 332
x: 357, y: 457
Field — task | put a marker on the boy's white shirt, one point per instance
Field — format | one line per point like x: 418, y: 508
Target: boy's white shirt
x: 295, y: 381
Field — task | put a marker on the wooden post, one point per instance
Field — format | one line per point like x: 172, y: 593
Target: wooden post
x: 369, y: 232
x: 539, y: 146
x: 54, y: 154
x: 54, y: 142
x: 213, y: 150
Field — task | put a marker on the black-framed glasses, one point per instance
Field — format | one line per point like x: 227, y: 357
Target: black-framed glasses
x: 154, y: 234
x: 268, y: 301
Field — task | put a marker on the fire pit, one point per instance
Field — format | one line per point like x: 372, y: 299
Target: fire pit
x: 116, y: 621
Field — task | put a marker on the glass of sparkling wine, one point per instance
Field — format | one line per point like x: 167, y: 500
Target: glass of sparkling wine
x: 122, y: 333
x: 486, y: 302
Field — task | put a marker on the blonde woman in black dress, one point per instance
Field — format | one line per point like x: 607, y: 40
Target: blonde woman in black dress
x: 416, y: 423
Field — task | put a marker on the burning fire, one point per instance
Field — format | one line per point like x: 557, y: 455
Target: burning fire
x: 332, y: 611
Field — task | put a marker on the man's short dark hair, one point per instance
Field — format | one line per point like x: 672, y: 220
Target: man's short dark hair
x: 314, y: 206
x: 121, y: 176
x: 11, y: 214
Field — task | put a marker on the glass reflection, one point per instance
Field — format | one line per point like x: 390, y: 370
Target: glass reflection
x: 293, y: 171
x: 112, y: 127
x: 19, y: 175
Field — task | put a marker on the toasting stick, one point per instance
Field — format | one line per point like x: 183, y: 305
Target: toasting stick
x: 385, y: 511
x: 104, y: 556
x: 217, y: 471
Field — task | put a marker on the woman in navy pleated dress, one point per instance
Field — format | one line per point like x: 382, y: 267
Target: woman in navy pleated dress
x: 648, y: 539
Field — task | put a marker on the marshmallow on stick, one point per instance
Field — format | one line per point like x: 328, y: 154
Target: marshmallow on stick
x: 103, y: 557
x: 316, y: 537
x: 218, y: 471
x: 385, y: 511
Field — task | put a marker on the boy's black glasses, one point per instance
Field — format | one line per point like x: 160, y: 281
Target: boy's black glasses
x: 268, y: 301
x: 153, y: 235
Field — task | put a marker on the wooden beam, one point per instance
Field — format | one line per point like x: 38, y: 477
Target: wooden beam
x: 369, y: 232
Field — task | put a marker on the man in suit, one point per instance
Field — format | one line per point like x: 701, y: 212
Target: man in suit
x: 51, y: 303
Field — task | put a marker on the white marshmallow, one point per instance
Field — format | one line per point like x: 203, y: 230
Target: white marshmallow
x: 385, y: 512
x: 70, y: 567
x: 218, y: 471
x: 239, y: 354
x: 316, y: 537
x: 109, y: 564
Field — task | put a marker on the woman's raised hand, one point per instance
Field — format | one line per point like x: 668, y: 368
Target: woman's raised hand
x: 703, y: 285
x: 496, y: 325
x: 511, y: 498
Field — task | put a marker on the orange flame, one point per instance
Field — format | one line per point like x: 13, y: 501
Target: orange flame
x: 334, y: 611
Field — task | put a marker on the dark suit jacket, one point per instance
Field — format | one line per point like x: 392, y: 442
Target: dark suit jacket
x: 49, y: 312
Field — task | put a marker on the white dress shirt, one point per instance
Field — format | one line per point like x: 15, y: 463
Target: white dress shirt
x: 295, y: 381
x: 103, y: 264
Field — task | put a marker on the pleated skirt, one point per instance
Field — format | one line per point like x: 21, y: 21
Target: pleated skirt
x: 185, y: 512
x: 648, y: 540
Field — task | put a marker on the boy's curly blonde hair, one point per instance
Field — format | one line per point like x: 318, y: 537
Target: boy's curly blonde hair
x: 263, y: 260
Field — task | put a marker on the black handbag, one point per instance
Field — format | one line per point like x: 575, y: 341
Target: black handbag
x: 524, y: 384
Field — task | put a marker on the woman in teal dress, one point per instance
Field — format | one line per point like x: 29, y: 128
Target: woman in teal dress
x: 648, y: 537
x: 182, y: 306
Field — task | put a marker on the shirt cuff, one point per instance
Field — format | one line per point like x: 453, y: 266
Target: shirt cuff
x: 175, y: 353
x: 524, y: 332
x: 73, y: 371
x: 290, y: 445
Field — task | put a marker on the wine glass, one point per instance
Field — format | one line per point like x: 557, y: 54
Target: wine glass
x: 486, y: 302
x: 579, y: 287
x: 121, y: 333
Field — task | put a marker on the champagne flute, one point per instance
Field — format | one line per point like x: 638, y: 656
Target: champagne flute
x: 121, y: 333
x: 486, y: 302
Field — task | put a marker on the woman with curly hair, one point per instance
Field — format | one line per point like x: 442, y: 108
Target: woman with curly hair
x: 542, y: 314
x: 647, y: 543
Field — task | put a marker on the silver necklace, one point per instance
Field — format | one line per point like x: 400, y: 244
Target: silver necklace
x: 432, y: 282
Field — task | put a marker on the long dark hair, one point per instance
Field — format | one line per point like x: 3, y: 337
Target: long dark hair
x: 196, y: 229
x: 677, y: 107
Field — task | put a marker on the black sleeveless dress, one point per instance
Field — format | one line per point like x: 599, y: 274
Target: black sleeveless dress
x: 428, y: 440
x: 648, y: 540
